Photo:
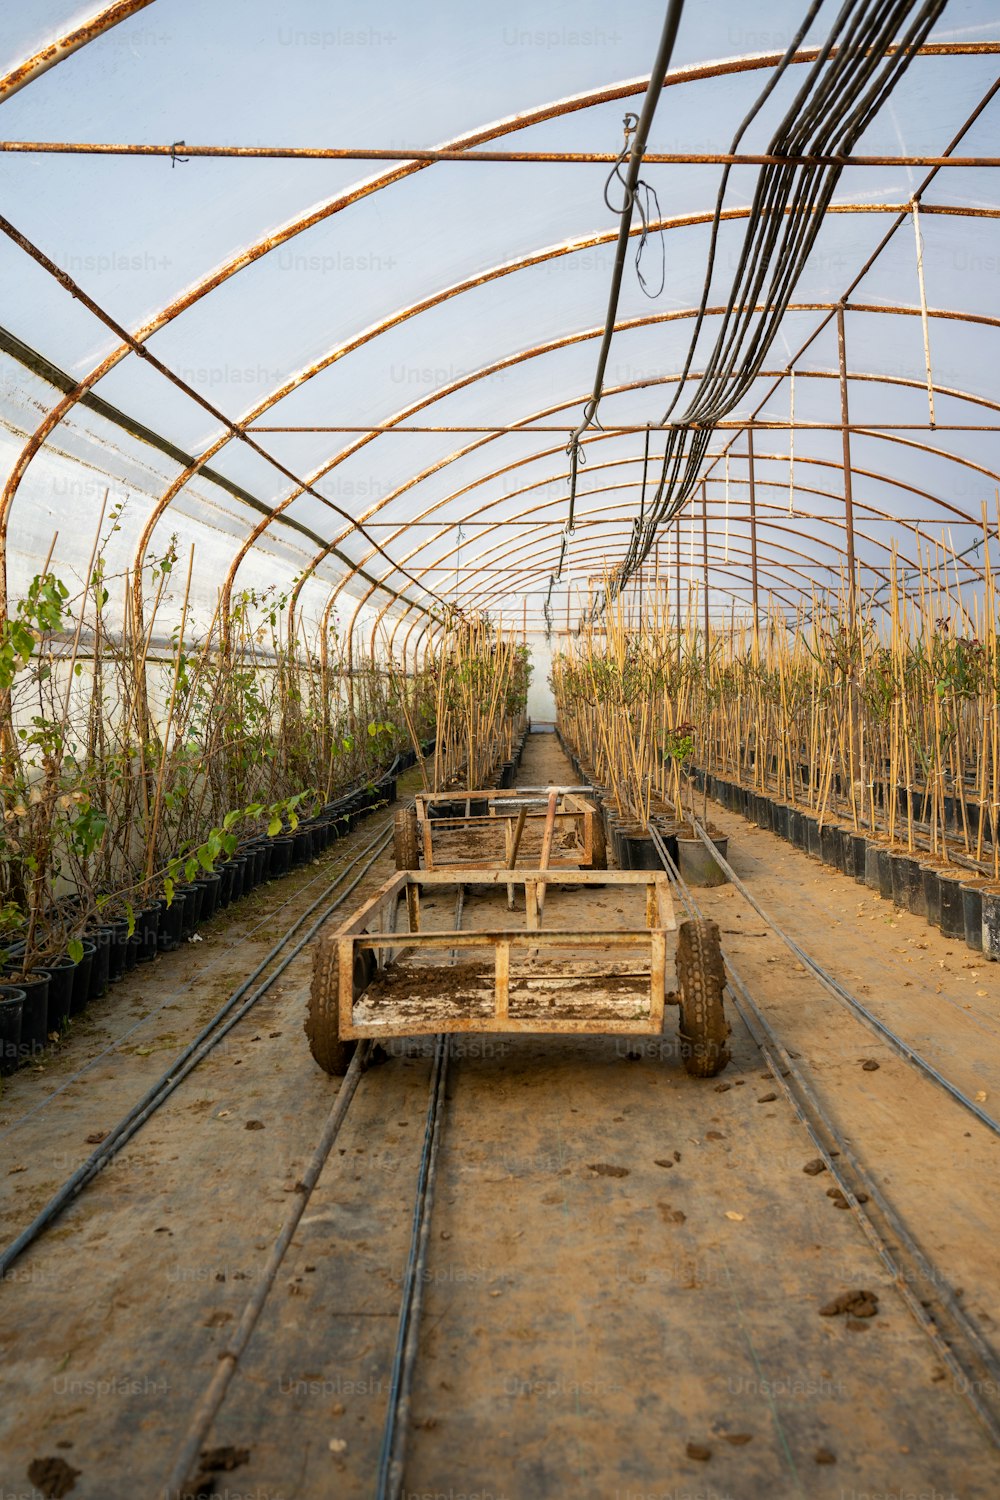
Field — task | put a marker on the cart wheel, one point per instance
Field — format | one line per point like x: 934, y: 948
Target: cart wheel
x: 701, y: 978
x: 323, y: 1012
x: 599, y: 860
x: 404, y: 839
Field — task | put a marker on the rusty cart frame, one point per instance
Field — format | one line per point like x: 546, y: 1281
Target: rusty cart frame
x: 421, y: 832
x: 365, y: 949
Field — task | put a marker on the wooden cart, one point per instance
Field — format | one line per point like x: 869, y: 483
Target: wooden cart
x: 494, y: 830
x: 377, y: 977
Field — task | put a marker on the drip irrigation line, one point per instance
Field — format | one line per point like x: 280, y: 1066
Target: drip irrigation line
x: 186, y: 989
x: 884, y: 1032
x: 392, y: 1452
x: 186, y: 1460
x: 185, y: 1063
x: 895, y: 1247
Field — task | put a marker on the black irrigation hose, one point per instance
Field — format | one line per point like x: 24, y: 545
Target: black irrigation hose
x: 975, y: 1382
x: 177, y: 1485
x: 187, y: 1060
x: 839, y: 992
x: 392, y: 1452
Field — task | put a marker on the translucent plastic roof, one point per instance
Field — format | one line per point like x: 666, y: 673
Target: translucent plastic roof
x: 340, y: 346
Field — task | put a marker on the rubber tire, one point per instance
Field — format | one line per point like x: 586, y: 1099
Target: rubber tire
x: 322, y: 1025
x: 405, y: 844
x: 701, y: 979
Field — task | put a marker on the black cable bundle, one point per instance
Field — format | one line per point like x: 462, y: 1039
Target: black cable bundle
x: 859, y: 65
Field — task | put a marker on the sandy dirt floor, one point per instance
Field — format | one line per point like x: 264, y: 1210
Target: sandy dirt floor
x: 627, y: 1264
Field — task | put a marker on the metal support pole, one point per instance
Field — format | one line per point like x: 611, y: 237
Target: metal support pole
x: 677, y: 536
x: 753, y: 538
x: 704, y: 554
x: 848, y: 491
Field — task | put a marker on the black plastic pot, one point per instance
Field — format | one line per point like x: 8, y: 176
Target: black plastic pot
x: 640, y: 852
x: 12, y: 1003
x: 209, y: 895
x: 829, y: 843
x: 225, y: 873
x: 885, y: 873
x: 779, y: 819
x: 132, y: 950
x: 83, y: 979
x: 301, y: 846
x: 147, y: 927
x: 100, y: 973
x: 991, y: 922
x: 813, y: 844
x: 796, y: 828
x: 194, y: 896
x: 61, y: 971
x: 972, y: 914
x: 281, y: 855
x: 932, y: 893
x: 859, y: 846
x: 908, y: 883
x: 168, y: 937
x: 952, y: 915
x: 35, y: 1013
x: 118, y: 954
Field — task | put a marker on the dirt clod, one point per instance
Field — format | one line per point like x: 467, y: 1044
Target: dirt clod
x: 660, y: 1163
x: 870, y: 1065
x: 607, y: 1169
x: 815, y: 1167
x: 254, y: 1125
x: 53, y: 1476
x: 824, y: 1456
x: 699, y: 1451
x: 767, y: 1098
x: 96, y: 1137
x: 859, y: 1303
x: 223, y: 1460
x: 722, y: 1088
x: 738, y: 1439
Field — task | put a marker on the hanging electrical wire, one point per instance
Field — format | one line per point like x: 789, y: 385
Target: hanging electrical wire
x: 630, y: 185
x: 855, y: 71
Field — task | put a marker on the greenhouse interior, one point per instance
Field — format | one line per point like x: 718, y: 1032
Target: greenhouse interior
x: 499, y: 553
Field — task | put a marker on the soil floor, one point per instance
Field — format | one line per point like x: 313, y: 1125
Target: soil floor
x: 627, y: 1265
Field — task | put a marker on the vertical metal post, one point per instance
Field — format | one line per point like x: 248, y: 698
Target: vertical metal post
x: 753, y: 535
x: 677, y: 535
x: 848, y: 491
x: 704, y: 554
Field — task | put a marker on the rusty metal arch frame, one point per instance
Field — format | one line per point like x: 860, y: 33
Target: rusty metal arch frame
x: 550, y: 346
x: 509, y: 125
x: 962, y: 517
x: 437, y: 299
x: 485, y: 596
x: 767, y: 524
x: 367, y: 187
x: 64, y: 46
x: 252, y: 253
x: 832, y: 521
x: 902, y: 381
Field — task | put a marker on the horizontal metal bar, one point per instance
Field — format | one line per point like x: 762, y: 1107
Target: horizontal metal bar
x: 180, y: 149
x: 729, y: 424
x: 491, y: 1023
x: 518, y: 937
